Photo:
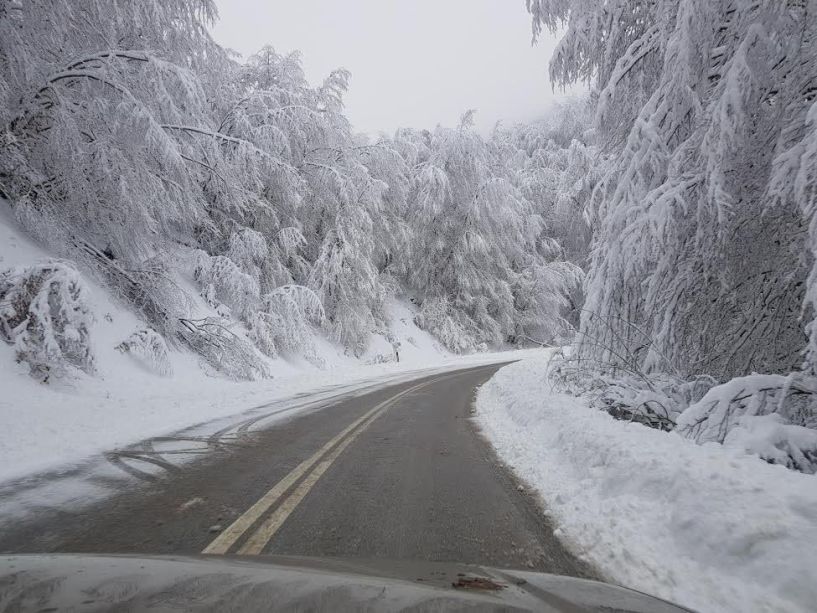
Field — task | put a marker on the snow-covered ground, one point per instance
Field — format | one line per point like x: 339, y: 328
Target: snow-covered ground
x: 49, y: 426
x: 705, y: 526
x: 46, y: 427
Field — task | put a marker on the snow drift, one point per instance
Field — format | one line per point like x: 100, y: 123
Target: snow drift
x: 706, y: 526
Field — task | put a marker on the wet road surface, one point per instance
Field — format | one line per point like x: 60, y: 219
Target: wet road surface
x: 398, y: 473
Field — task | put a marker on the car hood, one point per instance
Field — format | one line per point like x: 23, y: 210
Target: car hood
x: 282, y: 583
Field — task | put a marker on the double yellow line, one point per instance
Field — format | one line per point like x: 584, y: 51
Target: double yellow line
x: 313, y: 467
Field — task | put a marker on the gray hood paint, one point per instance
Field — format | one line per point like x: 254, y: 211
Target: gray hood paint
x: 68, y: 582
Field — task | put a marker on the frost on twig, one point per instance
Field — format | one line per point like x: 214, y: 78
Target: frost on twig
x: 44, y: 314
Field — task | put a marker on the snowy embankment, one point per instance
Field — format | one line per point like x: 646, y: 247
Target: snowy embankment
x: 704, y: 526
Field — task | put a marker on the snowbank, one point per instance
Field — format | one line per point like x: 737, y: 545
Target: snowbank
x: 705, y: 526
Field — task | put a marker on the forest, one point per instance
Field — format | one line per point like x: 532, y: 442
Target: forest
x: 661, y: 231
x: 699, y: 309
x: 142, y: 166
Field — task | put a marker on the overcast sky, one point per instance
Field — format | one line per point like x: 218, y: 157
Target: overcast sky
x: 414, y: 63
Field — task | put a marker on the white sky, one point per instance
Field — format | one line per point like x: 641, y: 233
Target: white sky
x: 414, y: 63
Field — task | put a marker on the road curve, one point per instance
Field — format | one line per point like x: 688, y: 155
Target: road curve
x: 398, y: 473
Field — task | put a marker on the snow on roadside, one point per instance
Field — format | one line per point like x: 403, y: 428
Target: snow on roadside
x: 705, y: 526
x: 47, y: 427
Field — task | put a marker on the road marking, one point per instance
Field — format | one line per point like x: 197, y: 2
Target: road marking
x: 222, y: 543
x: 273, y: 523
x: 226, y: 539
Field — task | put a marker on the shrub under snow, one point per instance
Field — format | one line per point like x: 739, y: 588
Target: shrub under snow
x: 768, y: 415
x: 149, y: 349
x: 44, y: 313
x: 626, y: 392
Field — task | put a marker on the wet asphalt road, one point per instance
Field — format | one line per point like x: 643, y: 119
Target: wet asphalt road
x: 399, y: 473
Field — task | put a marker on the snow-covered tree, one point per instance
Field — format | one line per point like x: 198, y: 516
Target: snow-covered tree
x: 96, y: 114
x: 704, y: 235
x: 474, y: 232
x: 703, y: 256
x: 286, y: 323
x: 326, y: 201
x: 485, y: 262
x: 223, y: 282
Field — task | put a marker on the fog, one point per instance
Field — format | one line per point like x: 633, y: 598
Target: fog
x: 416, y: 63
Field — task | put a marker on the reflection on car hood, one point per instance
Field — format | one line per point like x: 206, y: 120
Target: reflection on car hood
x: 280, y: 583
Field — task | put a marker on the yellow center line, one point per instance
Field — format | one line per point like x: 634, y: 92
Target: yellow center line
x: 222, y: 543
x: 273, y: 523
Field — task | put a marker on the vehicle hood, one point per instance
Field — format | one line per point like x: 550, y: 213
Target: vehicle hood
x: 281, y: 583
